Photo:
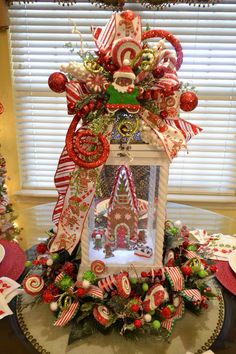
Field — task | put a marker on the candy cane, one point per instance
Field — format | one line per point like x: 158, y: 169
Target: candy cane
x: 124, y: 48
x: 170, y: 38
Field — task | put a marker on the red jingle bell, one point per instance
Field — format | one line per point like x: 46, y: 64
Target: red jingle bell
x: 188, y: 101
x: 57, y: 82
x: 159, y: 72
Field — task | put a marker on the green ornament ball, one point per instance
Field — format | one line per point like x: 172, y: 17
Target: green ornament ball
x: 145, y: 287
x: 156, y: 324
x: 90, y: 276
x: 202, y: 273
x: 191, y: 248
x: 172, y: 308
x: 152, y: 312
x: 28, y: 263
x: 65, y: 282
x: 55, y: 256
x: 133, y: 281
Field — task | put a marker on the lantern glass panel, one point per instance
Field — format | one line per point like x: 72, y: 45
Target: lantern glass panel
x: 122, y: 218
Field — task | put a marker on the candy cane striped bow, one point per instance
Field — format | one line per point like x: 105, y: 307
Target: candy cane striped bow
x: 8, y: 290
x: 176, y: 279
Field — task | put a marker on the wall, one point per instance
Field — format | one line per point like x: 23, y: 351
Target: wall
x: 9, y: 143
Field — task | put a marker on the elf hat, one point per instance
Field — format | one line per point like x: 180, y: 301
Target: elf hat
x: 125, y: 71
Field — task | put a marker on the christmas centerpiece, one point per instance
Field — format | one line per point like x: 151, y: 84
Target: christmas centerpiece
x: 107, y: 264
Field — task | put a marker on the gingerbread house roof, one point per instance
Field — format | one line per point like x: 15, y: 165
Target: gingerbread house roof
x: 124, y: 174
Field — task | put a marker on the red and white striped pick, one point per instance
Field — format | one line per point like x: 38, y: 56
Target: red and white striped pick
x: 66, y: 315
x: 107, y: 284
x: 74, y: 91
x: 95, y: 292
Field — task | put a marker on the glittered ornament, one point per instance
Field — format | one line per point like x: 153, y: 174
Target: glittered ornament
x: 134, y: 308
x: 186, y: 270
x: 159, y: 72
x: 89, y: 275
x: 41, y: 248
x: 57, y: 82
x: 80, y: 292
x: 166, y: 312
x: 63, y: 281
x: 137, y: 323
x: 188, y: 101
x: 47, y: 297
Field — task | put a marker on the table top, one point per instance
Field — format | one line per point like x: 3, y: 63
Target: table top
x: 37, y: 220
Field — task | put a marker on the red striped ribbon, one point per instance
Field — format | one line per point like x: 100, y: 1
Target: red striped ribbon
x: 66, y: 315
x: 175, y: 277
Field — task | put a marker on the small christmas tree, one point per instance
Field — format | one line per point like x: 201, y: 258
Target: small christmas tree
x: 8, y: 229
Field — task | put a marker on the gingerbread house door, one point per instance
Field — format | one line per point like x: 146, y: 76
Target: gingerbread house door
x: 122, y: 235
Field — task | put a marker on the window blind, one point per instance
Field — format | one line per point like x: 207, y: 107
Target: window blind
x: 38, y: 34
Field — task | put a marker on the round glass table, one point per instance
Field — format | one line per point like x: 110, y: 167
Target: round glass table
x: 37, y: 220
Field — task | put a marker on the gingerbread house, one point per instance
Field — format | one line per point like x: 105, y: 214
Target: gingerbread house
x: 122, y: 223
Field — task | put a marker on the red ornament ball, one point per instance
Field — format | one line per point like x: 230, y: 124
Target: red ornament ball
x: 134, y: 308
x: 164, y: 114
x: 80, y: 292
x: 68, y: 268
x: 47, y: 297
x: 57, y: 82
x: 158, y: 72
x: 41, y: 248
x: 186, y: 270
x: 166, y: 312
x: 137, y: 323
x: 188, y: 101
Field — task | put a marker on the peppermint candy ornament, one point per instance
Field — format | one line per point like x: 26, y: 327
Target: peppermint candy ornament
x: 102, y: 314
x: 155, y: 296
x: 33, y: 284
x: 123, y: 285
x: 96, y: 83
x: 125, y: 48
x: 98, y: 267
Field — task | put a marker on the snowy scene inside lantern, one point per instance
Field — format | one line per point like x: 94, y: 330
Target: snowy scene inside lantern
x: 122, y: 227
x: 126, y: 218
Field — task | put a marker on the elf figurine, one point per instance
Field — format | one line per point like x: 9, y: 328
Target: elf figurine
x: 123, y: 93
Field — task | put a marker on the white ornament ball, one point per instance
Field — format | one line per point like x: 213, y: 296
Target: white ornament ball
x: 126, y: 62
x: 53, y: 306
x: 49, y: 262
x: 86, y: 284
x: 147, y: 317
x: 178, y: 223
